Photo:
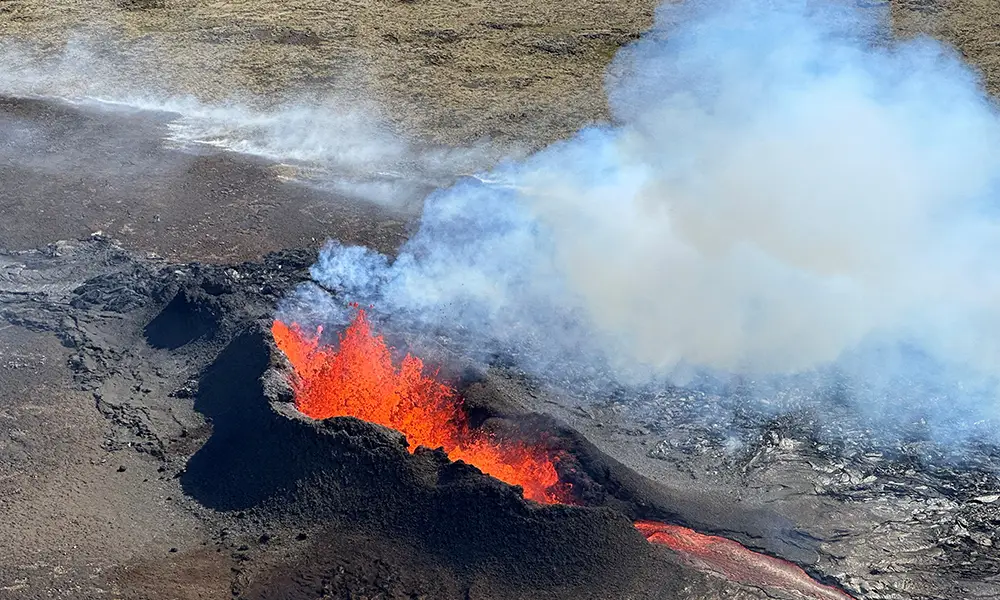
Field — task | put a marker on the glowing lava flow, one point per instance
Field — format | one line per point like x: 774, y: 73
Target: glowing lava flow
x: 736, y: 562
x: 359, y: 380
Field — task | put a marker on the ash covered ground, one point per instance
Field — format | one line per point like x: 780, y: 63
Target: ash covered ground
x: 149, y: 449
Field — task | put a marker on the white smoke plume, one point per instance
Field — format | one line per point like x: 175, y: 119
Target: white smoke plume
x: 783, y: 192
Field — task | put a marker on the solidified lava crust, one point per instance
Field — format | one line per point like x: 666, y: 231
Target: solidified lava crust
x: 180, y: 361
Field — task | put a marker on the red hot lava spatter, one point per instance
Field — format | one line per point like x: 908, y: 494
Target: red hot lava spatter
x: 359, y: 379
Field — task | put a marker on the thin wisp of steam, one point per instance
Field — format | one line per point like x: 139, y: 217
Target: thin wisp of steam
x: 335, y: 139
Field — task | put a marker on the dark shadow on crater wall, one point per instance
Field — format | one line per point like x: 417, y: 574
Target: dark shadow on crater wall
x: 251, y: 454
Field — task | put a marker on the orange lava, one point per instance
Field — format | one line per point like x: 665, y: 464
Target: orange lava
x: 736, y: 562
x: 359, y: 379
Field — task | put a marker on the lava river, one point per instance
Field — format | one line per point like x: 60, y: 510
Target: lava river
x: 359, y: 379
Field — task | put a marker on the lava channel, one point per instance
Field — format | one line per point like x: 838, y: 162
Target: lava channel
x: 359, y: 379
x: 736, y: 562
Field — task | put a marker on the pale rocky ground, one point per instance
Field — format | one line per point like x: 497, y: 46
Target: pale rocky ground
x: 452, y: 71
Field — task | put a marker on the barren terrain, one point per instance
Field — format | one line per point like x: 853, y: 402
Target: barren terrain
x: 142, y: 457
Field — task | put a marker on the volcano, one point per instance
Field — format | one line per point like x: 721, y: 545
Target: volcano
x: 358, y: 379
x: 447, y: 490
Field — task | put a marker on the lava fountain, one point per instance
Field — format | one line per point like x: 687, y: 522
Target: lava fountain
x: 358, y: 379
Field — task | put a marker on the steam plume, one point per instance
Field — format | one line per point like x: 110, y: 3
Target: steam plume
x: 782, y: 193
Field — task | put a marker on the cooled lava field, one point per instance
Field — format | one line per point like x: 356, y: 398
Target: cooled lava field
x: 180, y: 361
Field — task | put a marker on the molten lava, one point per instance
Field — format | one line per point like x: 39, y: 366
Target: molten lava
x: 736, y: 562
x: 360, y: 380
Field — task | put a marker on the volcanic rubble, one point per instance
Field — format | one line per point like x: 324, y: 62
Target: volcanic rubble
x: 179, y: 360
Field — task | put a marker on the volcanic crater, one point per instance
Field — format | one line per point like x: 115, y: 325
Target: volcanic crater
x: 347, y: 476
